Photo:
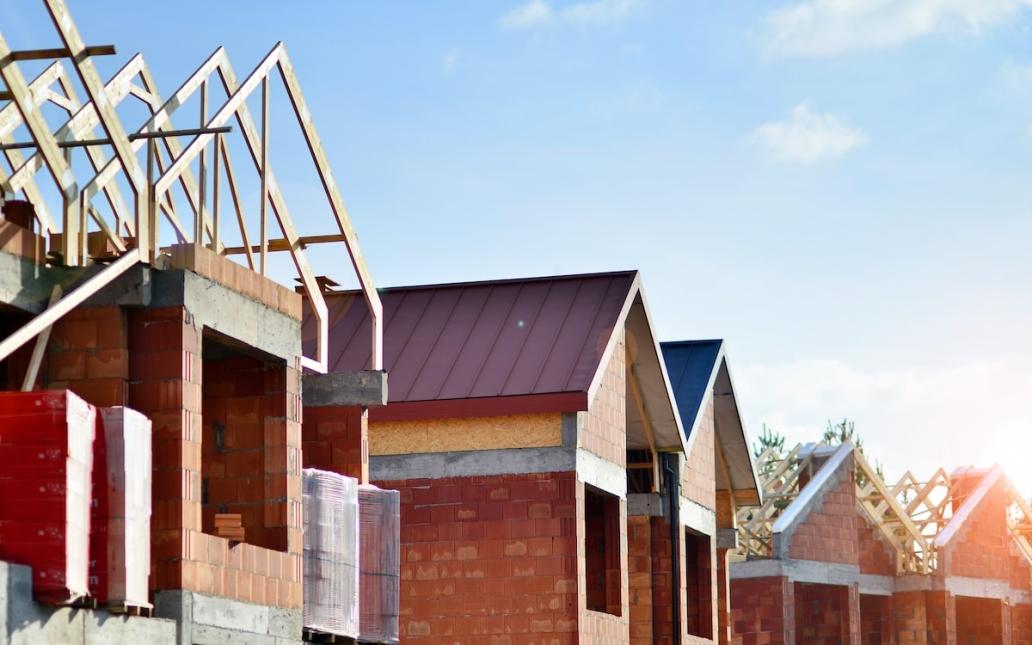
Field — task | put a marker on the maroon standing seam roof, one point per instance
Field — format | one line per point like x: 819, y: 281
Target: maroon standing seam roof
x: 483, y: 339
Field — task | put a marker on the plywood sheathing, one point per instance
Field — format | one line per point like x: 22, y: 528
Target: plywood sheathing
x: 473, y: 433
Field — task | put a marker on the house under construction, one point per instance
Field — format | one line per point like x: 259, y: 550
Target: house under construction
x: 198, y: 443
x: 836, y: 555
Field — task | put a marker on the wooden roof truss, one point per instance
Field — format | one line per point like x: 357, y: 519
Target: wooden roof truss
x: 152, y: 159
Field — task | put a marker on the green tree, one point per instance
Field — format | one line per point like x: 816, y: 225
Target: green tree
x: 839, y: 433
x: 769, y: 438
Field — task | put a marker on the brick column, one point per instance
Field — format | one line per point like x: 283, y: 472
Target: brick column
x: 723, y: 600
x: 165, y: 384
x: 941, y: 616
x: 639, y: 570
x: 851, y: 631
x: 336, y: 438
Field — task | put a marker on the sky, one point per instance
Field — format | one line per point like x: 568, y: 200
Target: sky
x: 839, y: 188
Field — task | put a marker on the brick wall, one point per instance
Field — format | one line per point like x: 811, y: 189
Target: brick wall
x: 1021, y: 623
x: 88, y: 354
x: 763, y: 611
x: 876, y: 620
x: 875, y: 556
x: 604, y: 427
x: 335, y: 438
x: 984, y: 547
x: 639, y: 578
x: 823, y: 615
x: 165, y: 383
x: 980, y: 621
x: 662, y: 581
x: 491, y: 557
x: 829, y: 531
x: 593, y: 626
x: 940, y: 617
x: 245, y: 459
x: 699, y: 472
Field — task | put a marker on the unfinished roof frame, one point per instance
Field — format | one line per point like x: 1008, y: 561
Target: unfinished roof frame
x: 917, y: 519
x: 153, y: 195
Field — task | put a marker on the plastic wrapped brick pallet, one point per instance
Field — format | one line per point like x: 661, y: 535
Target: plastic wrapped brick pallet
x: 46, y: 462
x: 379, y: 563
x: 120, y: 540
x: 330, y: 553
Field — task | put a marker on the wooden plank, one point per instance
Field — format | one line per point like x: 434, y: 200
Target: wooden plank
x: 55, y: 160
x: 29, y: 382
x: 337, y: 202
x: 78, y: 295
x: 109, y: 120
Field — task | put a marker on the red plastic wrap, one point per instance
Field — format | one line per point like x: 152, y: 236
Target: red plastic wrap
x: 379, y: 565
x: 46, y: 460
x: 120, y: 536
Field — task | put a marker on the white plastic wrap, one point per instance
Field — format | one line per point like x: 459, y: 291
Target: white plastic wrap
x: 379, y: 547
x: 331, y: 580
x: 127, y: 436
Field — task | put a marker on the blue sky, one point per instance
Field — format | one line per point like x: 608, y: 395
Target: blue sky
x: 839, y: 188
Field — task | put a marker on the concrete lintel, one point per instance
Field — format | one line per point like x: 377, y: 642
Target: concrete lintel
x: 875, y: 585
x: 697, y: 517
x: 647, y: 504
x: 809, y: 571
x: 986, y: 588
x: 727, y: 538
x: 600, y: 473
x: 228, y: 312
x: 366, y: 389
x: 471, y: 463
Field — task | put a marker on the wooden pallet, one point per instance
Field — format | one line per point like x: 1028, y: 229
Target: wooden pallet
x: 315, y: 636
x: 130, y: 609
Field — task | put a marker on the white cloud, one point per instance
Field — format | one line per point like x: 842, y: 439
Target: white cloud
x: 831, y: 27
x: 600, y: 12
x: 536, y: 13
x: 539, y: 13
x: 808, y: 137
x: 909, y: 418
x: 1016, y: 78
x: 451, y: 60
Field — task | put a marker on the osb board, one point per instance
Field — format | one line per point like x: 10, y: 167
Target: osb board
x: 472, y: 433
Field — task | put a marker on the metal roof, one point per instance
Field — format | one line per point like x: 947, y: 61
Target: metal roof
x: 691, y: 365
x: 485, y: 339
x: 698, y: 369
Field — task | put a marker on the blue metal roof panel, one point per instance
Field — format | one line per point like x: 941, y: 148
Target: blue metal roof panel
x: 690, y: 366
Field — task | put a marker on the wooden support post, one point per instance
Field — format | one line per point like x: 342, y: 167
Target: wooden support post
x: 41, y: 345
x: 202, y: 172
x: 216, y: 164
x: 265, y: 175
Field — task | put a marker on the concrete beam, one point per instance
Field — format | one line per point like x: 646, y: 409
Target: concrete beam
x: 647, y: 504
x: 472, y: 463
x: 727, y: 538
x: 366, y: 389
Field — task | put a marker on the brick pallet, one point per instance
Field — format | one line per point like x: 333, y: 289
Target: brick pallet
x: 46, y: 460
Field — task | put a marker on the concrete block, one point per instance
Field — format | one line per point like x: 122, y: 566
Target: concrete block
x: 229, y: 614
x: 647, y: 504
x: 207, y: 635
x: 367, y: 389
x: 285, y: 623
